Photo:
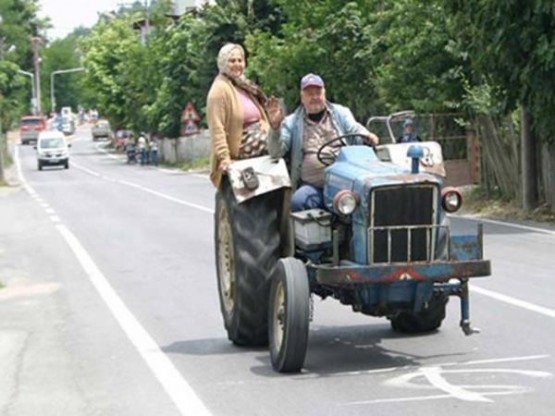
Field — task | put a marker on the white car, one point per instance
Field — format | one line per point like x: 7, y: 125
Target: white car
x: 52, y: 149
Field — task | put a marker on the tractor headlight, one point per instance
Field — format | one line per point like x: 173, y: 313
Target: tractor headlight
x: 451, y: 199
x: 345, y: 202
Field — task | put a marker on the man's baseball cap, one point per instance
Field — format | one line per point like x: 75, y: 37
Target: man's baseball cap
x: 311, y: 80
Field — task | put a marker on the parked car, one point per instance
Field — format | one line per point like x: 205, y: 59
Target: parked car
x: 30, y: 127
x: 101, y: 129
x: 52, y: 149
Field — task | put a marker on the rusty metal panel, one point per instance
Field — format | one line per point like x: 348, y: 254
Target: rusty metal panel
x: 416, y: 272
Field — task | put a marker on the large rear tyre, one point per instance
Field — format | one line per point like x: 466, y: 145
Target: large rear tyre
x: 247, y: 249
x: 289, y: 316
x: 429, y: 318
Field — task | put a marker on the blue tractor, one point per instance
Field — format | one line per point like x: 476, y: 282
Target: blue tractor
x: 382, y: 245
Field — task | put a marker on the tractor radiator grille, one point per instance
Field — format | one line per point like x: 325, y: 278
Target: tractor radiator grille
x: 401, y: 223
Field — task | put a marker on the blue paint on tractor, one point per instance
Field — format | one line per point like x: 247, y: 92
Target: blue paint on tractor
x: 399, y: 249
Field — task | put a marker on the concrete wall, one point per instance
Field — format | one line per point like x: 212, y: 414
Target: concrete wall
x: 185, y: 149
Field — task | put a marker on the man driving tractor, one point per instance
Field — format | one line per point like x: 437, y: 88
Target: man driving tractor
x: 315, y: 122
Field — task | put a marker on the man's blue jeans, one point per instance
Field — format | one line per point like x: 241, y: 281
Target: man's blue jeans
x: 307, y: 197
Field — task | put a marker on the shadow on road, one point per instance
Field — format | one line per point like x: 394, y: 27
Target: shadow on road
x: 331, y: 350
x: 213, y: 346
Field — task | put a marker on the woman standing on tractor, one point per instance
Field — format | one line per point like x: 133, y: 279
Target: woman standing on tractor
x: 239, y: 114
x: 247, y: 234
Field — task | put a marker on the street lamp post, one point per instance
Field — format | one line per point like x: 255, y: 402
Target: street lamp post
x: 33, y: 90
x: 35, y: 42
x: 61, y: 71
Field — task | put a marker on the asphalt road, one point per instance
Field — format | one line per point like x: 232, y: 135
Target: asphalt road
x: 111, y: 308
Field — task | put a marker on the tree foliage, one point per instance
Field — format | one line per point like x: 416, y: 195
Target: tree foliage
x: 512, y: 47
x: 19, y: 24
x: 59, y: 55
x: 110, y: 52
x: 481, y: 57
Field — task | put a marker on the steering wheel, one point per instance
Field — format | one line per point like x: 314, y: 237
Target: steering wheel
x: 327, y: 159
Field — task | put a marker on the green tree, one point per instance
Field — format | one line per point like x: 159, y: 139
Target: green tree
x: 108, y: 53
x: 68, y: 88
x: 511, y: 45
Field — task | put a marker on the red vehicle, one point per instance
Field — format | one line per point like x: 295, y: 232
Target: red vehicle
x: 30, y: 127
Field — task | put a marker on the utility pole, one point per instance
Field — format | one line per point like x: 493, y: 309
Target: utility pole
x: 147, y: 20
x: 33, y: 91
x: 35, y: 41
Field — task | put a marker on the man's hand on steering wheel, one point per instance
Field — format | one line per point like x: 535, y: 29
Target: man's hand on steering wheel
x: 327, y: 159
x: 371, y: 139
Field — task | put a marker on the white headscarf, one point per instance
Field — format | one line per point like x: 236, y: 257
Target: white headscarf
x: 223, y: 56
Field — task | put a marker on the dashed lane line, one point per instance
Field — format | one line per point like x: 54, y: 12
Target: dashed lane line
x: 145, y: 189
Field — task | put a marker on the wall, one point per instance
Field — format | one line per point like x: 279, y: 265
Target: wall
x: 185, y: 149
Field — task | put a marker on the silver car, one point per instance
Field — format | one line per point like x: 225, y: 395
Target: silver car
x: 52, y: 149
x: 103, y: 129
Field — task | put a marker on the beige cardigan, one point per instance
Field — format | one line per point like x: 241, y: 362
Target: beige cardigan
x: 225, y: 122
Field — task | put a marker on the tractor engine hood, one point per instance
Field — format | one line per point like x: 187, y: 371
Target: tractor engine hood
x: 358, y: 169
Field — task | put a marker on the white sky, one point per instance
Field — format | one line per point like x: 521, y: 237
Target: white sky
x: 66, y: 15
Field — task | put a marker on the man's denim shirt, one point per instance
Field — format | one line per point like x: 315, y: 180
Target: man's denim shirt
x: 288, y: 142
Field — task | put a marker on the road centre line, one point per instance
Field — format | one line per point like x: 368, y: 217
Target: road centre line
x: 495, y: 295
x: 145, y: 189
x: 503, y: 223
x: 177, y: 388
x: 514, y: 301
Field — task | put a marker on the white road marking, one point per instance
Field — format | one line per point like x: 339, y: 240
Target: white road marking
x: 49, y: 211
x: 436, y: 378
x: 55, y: 218
x: 503, y: 223
x: 145, y: 189
x: 175, y: 385
x: 514, y: 301
x: 500, y: 360
x: 177, y: 388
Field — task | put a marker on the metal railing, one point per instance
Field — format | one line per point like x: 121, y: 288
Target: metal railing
x: 431, y: 241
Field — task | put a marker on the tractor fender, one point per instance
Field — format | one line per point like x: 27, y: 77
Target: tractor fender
x: 250, y: 178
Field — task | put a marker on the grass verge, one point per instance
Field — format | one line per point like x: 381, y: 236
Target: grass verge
x: 197, y: 164
x: 482, y: 202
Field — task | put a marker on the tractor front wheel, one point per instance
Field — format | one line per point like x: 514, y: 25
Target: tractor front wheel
x: 289, y: 316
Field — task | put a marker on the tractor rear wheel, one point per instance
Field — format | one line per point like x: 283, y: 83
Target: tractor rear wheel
x: 247, y: 243
x: 429, y: 318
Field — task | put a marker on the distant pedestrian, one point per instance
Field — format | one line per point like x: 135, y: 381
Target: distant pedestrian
x: 141, y: 145
x: 154, y: 151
